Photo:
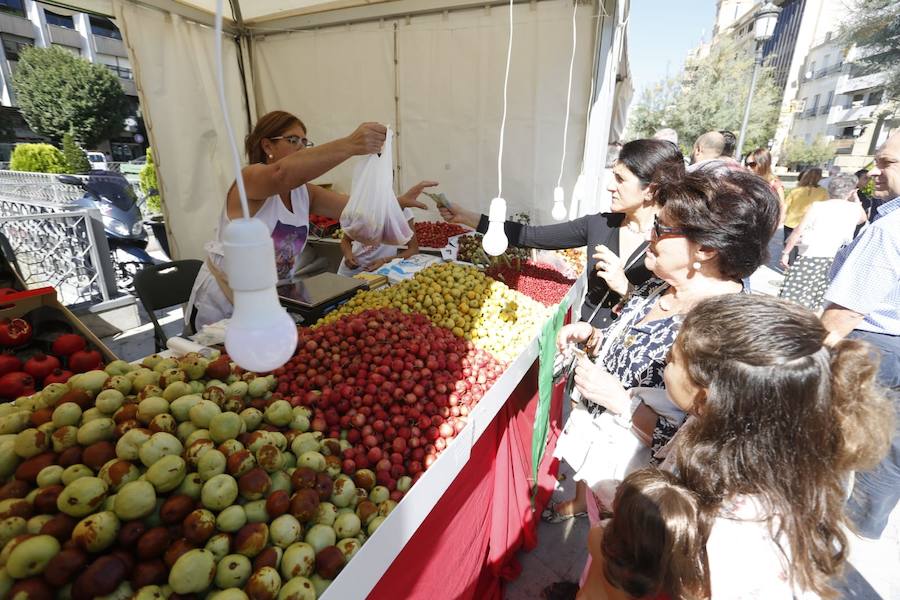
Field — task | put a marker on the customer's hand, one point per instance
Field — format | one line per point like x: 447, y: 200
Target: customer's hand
x: 597, y: 385
x: 367, y: 139
x: 785, y: 257
x: 574, y: 333
x: 411, y: 198
x: 611, y: 268
x: 458, y: 214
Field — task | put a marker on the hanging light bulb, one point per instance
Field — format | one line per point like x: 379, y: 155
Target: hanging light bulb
x: 495, y: 242
x: 260, y: 336
x: 559, y: 204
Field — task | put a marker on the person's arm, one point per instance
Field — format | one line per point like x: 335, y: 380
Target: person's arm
x: 861, y: 216
x: 264, y: 180
x: 347, y: 251
x: 412, y: 247
x: 794, y: 238
x: 839, y: 321
x: 571, y: 234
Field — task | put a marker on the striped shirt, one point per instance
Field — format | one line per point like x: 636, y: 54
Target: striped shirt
x: 865, y: 277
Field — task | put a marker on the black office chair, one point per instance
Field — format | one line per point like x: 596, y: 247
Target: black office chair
x: 162, y: 286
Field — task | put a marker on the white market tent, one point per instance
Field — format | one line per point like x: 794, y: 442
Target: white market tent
x: 432, y: 69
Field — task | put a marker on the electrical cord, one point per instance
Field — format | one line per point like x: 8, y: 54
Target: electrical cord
x: 562, y: 162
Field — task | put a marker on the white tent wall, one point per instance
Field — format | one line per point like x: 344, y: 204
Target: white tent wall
x: 449, y: 79
x: 173, y: 62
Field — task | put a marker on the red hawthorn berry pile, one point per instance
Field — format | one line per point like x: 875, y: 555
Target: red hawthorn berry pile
x: 395, y: 386
x: 437, y: 234
x: 539, y: 281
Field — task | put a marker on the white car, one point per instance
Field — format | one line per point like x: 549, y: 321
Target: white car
x: 97, y: 160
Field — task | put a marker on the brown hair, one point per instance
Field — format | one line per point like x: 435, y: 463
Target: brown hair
x: 784, y: 418
x: 269, y: 125
x: 656, y: 540
x: 763, y: 160
x: 734, y: 214
x: 810, y: 178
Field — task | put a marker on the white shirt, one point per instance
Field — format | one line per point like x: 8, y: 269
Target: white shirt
x: 829, y: 226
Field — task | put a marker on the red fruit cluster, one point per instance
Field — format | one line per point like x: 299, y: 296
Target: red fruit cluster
x: 437, y: 235
x: 539, y: 281
x: 396, y: 386
x: 18, y: 378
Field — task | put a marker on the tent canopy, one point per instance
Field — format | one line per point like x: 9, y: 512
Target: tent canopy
x: 431, y: 69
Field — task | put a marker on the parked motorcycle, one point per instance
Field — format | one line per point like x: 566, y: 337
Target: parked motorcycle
x: 113, y: 196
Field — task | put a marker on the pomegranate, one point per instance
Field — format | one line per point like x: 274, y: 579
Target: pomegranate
x: 15, y: 384
x: 85, y: 360
x: 68, y: 344
x: 9, y: 363
x: 40, y: 365
x: 57, y: 376
x: 14, y: 332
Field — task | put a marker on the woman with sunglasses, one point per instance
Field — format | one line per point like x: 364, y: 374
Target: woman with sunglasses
x: 709, y: 235
x: 282, y: 162
x: 616, y: 240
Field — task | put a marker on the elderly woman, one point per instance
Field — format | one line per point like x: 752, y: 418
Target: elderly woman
x: 616, y: 240
x: 826, y: 227
x: 282, y: 163
x: 708, y: 236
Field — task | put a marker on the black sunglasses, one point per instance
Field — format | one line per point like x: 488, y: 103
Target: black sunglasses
x: 661, y: 231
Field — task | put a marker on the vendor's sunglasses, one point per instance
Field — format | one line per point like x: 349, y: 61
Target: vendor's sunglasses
x: 296, y: 141
x: 751, y: 164
x: 661, y: 231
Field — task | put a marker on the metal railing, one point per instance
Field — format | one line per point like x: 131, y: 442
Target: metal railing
x: 55, y: 242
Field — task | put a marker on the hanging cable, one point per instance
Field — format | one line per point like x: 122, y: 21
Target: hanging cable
x: 562, y: 162
x: 505, y: 102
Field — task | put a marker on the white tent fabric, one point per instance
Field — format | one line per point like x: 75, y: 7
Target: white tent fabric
x: 183, y: 118
x: 449, y: 82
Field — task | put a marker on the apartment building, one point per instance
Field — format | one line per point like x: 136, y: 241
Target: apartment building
x: 26, y: 23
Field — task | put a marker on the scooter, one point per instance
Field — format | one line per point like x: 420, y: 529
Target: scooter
x: 113, y: 196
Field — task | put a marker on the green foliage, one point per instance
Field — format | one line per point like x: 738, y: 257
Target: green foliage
x: 149, y: 185
x: 38, y: 158
x: 798, y: 154
x: 76, y: 159
x: 874, y: 26
x: 711, y: 96
x: 59, y: 93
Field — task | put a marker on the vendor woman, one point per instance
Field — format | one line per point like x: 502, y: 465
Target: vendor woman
x: 282, y: 162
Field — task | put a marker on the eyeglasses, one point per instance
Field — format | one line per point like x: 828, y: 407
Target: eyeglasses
x: 661, y: 231
x: 293, y: 140
x: 751, y: 164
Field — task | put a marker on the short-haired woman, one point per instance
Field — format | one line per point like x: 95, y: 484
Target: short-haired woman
x: 826, y: 227
x: 282, y: 163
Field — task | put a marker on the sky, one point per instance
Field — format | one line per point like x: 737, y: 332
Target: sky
x: 660, y: 34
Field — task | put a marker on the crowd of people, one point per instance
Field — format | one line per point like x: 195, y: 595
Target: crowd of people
x: 717, y: 429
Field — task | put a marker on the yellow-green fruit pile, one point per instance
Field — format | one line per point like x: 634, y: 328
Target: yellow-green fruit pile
x: 465, y: 301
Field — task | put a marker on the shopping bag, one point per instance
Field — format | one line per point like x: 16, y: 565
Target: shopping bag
x: 373, y: 216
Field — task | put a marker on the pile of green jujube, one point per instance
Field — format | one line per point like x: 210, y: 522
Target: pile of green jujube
x: 177, y: 478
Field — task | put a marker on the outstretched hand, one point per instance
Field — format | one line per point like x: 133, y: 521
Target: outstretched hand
x: 410, y: 198
x: 368, y: 138
x: 459, y: 215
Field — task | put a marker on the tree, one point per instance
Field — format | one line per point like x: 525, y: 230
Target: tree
x: 795, y: 153
x: 710, y: 95
x: 76, y: 159
x: 60, y: 93
x: 874, y: 26
x: 653, y: 110
x: 37, y: 158
x: 149, y: 185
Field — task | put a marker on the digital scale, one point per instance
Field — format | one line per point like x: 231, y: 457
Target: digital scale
x: 316, y: 296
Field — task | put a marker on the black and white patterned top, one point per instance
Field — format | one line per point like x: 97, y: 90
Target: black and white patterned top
x: 636, y: 354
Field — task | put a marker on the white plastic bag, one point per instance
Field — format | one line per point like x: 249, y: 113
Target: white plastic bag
x: 373, y: 216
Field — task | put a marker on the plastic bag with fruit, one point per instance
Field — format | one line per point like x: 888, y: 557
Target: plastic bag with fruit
x: 373, y: 216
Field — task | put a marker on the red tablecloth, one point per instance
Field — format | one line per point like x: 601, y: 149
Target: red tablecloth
x: 466, y: 547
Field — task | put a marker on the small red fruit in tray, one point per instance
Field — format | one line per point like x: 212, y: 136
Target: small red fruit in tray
x: 57, y: 376
x: 41, y: 365
x: 9, y: 363
x: 15, y: 384
x: 68, y: 344
x: 85, y: 360
x: 14, y: 332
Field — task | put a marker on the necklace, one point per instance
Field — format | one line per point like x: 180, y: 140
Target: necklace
x: 635, y: 227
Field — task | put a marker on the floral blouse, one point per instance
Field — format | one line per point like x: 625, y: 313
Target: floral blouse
x: 636, y: 352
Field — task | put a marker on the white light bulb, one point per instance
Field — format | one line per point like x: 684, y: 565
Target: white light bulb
x: 260, y: 335
x: 559, y: 204
x: 494, y: 241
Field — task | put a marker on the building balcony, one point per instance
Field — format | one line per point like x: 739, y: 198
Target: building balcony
x: 809, y: 113
x: 111, y: 46
x: 16, y: 25
x: 850, y: 114
x: 843, y: 145
x: 862, y: 82
x: 64, y: 36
